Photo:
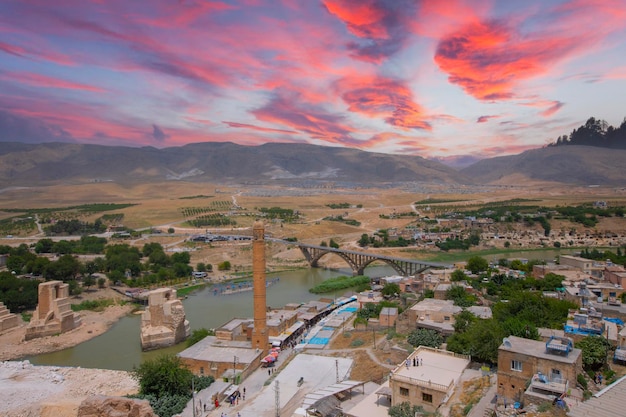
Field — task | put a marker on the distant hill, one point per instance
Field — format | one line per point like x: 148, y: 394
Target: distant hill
x: 570, y: 164
x: 30, y: 164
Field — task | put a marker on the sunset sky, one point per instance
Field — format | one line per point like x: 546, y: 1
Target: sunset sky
x: 434, y: 78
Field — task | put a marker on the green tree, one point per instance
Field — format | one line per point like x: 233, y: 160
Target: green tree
x: 89, y: 281
x: 476, y: 264
x: 201, y: 267
x: 460, y: 297
x: 199, y: 334
x: 181, y: 257
x: 170, y: 230
x: 44, y: 246
x: 224, y: 266
x: 333, y: 244
x: 102, y: 282
x: 164, y: 375
x: 458, y: 275
x: 364, y: 240
x: 595, y: 350
x: 425, y: 337
x: 390, y: 289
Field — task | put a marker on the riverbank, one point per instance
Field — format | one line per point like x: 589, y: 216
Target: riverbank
x: 14, y: 347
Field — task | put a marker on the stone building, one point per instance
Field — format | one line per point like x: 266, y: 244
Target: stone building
x: 163, y: 323
x: 8, y: 320
x: 53, y: 314
x: 532, y: 370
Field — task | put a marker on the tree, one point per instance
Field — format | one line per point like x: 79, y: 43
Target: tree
x: 199, y: 334
x: 595, y: 350
x: 89, y: 281
x: 333, y: 244
x: 223, y: 266
x: 476, y: 264
x: 164, y: 375
x: 425, y: 337
x: 170, y: 230
x: 102, y: 282
x: 391, y: 289
x: 364, y: 240
x: 201, y: 267
x: 458, y: 275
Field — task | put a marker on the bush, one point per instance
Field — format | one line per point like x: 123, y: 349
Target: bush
x: 339, y: 283
x: 582, y: 381
x: 357, y: 343
x: 94, y: 305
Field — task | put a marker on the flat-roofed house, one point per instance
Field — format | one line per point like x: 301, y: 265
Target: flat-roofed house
x: 533, y: 370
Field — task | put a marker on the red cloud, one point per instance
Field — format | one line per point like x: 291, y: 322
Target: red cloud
x: 555, y: 107
x: 379, y: 96
x: 381, y: 25
x: 487, y: 59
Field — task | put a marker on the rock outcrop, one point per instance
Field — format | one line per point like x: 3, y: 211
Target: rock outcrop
x: 102, y: 406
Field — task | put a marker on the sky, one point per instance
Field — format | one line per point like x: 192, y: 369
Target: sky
x: 445, y: 79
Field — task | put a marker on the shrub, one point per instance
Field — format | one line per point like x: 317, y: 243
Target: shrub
x: 356, y: 343
x: 582, y: 381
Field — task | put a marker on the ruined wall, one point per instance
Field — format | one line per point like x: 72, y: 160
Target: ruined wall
x: 163, y: 323
x: 53, y: 314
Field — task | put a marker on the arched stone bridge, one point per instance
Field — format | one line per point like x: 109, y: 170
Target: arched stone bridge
x: 358, y: 261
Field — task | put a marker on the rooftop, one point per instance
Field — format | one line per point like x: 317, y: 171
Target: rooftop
x: 437, y: 367
x: 607, y: 403
x: 537, y: 349
x: 216, y: 350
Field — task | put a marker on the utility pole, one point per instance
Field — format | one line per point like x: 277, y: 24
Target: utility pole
x: 234, y: 368
x: 277, y: 399
x: 337, y: 369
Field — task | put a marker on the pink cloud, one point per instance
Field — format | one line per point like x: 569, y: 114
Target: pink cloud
x: 380, y: 25
x: 257, y: 128
x: 383, y: 97
x: 39, y: 80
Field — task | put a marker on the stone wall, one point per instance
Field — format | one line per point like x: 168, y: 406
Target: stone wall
x: 163, y: 323
x: 8, y: 320
x: 53, y: 314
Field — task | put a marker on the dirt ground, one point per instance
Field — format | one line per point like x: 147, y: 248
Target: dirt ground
x: 13, y: 346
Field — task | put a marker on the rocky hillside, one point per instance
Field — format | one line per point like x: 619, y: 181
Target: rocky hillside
x: 582, y: 165
x: 28, y: 164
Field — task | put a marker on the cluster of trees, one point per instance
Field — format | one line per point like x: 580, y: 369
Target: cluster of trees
x: 520, y: 316
x: 381, y: 239
x: 168, y: 384
x: 86, y: 244
x: 350, y: 222
x: 456, y: 243
x: 123, y: 263
x: 18, y: 294
x: 331, y: 243
x: 595, y: 132
x: 212, y: 220
x: 287, y: 215
x: 75, y: 227
x: 618, y: 257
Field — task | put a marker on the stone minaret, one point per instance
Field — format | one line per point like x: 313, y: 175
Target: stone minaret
x: 260, y: 338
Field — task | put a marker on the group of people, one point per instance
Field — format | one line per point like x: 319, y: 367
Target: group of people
x: 417, y: 361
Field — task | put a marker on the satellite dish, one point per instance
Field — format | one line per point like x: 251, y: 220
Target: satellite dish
x: 506, y: 342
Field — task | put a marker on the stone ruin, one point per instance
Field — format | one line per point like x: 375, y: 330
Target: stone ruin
x: 8, y: 320
x: 53, y: 314
x: 163, y: 323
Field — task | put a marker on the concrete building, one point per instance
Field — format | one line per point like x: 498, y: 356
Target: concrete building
x: 53, y: 314
x: 365, y: 297
x: 433, y: 314
x: 163, y: 322
x: 427, y: 378
x: 577, y: 262
x: 388, y: 316
x: 607, y: 403
x: 548, y: 369
x: 615, y: 275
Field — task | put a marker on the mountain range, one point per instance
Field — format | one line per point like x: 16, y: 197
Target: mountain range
x: 48, y: 163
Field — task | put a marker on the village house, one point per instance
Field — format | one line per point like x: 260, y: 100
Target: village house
x: 433, y: 314
x: 536, y: 371
x: 427, y: 377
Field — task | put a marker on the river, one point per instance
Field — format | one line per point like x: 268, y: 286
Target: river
x: 120, y: 348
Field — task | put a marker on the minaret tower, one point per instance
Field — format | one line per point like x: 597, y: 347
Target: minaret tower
x: 260, y: 338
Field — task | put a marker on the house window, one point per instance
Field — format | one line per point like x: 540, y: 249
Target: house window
x: 446, y: 318
x: 404, y: 392
x: 427, y: 398
x: 201, y: 370
x: 556, y: 376
x: 516, y: 366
